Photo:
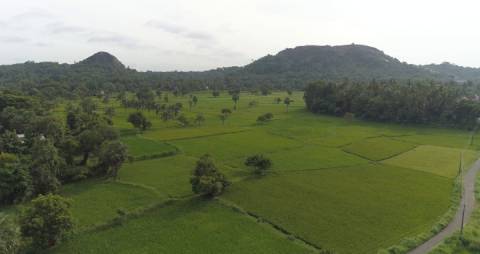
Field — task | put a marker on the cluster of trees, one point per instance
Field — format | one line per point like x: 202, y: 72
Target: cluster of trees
x: 38, y: 152
x: 208, y: 181
x: 41, y: 225
x: 405, y: 102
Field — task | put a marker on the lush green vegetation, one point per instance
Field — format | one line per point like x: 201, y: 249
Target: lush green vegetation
x: 193, y: 226
x: 95, y: 202
x: 441, y: 161
x: 328, y: 179
x: 418, y: 102
x: 469, y: 241
x: 377, y: 149
x: 358, y: 203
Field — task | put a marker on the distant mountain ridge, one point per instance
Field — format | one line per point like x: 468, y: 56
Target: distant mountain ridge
x: 292, y: 67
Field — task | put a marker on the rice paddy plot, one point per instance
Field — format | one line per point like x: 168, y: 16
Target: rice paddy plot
x: 309, y: 157
x: 443, y: 161
x: 238, y: 145
x: 349, y: 210
x: 169, y: 176
x: 192, y: 226
x: 377, y: 149
x: 96, y: 202
x: 140, y: 147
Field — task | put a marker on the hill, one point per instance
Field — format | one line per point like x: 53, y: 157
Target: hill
x: 335, y: 62
x: 290, y: 68
x: 104, y: 60
x: 455, y: 72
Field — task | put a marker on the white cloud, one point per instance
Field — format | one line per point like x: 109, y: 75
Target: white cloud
x: 215, y: 33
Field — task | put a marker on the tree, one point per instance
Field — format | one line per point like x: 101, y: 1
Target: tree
x: 88, y: 105
x: 259, y: 163
x: 183, y: 121
x: 265, y: 118
x: 46, y: 220
x: 252, y: 104
x: 277, y: 100
x: 69, y: 149
x: 289, y: 92
x: 110, y: 112
x: 265, y: 90
x: 215, y: 93
x: 112, y: 155
x: 287, y: 102
x: 224, y: 114
x: 235, y: 98
x: 195, y: 100
x: 199, y: 119
x: 11, y: 143
x: 206, y: 179
x: 139, y: 121
x: 15, y: 181
x: 10, y: 240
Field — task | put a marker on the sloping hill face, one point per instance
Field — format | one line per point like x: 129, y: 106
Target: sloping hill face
x: 104, y: 60
x: 454, y: 72
x: 334, y: 62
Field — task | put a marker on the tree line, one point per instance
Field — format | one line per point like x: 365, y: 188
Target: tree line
x: 424, y: 102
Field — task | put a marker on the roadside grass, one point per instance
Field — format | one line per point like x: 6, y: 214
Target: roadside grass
x: 377, y: 149
x: 368, y: 205
x: 437, y: 160
x: 97, y: 201
x: 470, y: 242
x: 192, y: 226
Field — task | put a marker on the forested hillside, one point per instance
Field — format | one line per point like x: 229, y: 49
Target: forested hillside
x: 291, y: 68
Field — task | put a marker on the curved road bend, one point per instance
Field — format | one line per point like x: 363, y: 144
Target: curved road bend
x: 468, y: 201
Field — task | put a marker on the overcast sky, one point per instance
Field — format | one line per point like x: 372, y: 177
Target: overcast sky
x: 197, y: 35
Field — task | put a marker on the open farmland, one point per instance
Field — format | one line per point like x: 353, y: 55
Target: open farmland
x: 340, y: 184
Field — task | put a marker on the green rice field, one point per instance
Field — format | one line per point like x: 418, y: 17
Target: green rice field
x: 344, y: 185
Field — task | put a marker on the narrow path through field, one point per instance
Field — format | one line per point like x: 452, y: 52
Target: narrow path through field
x: 467, y: 202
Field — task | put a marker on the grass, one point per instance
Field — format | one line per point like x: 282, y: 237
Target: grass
x: 239, y: 145
x: 359, y: 208
x: 193, y: 226
x: 437, y: 160
x: 312, y: 157
x: 140, y: 147
x: 377, y: 149
x: 323, y: 187
x: 471, y: 235
x: 169, y: 176
x: 95, y: 202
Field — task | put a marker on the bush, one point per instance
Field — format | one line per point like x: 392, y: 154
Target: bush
x: 259, y: 163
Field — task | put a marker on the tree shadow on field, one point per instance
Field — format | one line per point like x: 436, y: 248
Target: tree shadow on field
x: 180, y: 208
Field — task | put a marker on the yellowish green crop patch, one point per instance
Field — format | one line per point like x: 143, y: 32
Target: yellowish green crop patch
x: 378, y: 148
x: 437, y: 160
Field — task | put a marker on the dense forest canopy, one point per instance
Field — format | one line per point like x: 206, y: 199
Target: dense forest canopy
x: 419, y: 102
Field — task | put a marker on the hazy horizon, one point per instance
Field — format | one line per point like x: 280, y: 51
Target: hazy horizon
x: 191, y: 35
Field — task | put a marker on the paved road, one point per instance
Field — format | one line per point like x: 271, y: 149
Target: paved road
x: 467, y: 202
